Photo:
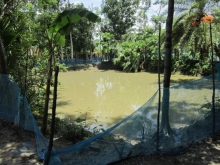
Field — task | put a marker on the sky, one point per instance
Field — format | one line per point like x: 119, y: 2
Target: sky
x: 97, y: 3
x: 153, y: 10
x: 88, y: 3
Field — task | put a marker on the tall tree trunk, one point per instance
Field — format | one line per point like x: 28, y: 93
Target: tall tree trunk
x: 71, y: 45
x: 90, y: 47
x: 159, y: 87
x: 3, y: 64
x: 61, y: 53
x: 101, y: 54
x: 66, y: 56
x: 165, y: 126
x: 31, y: 51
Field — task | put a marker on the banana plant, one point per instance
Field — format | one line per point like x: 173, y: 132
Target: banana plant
x: 63, y: 23
x: 59, y: 28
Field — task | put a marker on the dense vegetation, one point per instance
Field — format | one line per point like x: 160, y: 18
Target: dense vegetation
x: 126, y: 34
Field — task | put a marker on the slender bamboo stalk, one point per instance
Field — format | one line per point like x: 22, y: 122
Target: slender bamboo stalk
x: 213, y: 79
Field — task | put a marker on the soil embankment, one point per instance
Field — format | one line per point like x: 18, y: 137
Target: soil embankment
x: 105, y: 65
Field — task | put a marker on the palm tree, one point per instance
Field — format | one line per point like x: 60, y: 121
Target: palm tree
x: 6, y: 8
x: 9, y: 34
x: 182, y: 32
x: 3, y: 65
x: 165, y: 126
x: 188, y: 14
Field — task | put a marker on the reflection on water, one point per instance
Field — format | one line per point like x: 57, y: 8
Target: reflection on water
x: 102, y: 85
x: 105, y: 98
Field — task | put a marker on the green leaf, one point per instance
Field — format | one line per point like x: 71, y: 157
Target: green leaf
x: 72, y: 16
x: 60, y: 39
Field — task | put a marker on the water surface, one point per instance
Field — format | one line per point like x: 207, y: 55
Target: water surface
x: 106, y: 97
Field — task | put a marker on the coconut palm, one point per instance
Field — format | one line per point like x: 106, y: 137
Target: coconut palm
x: 182, y: 32
x: 187, y: 29
x: 165, y: 126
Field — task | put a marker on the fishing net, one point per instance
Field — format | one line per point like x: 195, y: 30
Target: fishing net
x: 74, y: 61
x: 187, y: 116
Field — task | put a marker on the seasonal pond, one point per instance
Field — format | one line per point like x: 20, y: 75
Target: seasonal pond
x: 99, y: 97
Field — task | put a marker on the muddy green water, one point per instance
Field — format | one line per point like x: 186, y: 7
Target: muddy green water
x: 106, y: 97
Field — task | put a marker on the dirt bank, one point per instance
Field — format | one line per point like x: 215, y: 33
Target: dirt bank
x: 14, y: 139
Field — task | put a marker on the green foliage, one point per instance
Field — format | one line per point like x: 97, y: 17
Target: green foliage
x: 158, y: 19
x: 186, y: 12
x: 35, y: 87
x: 187, y: 65
x: 76, y: 130
x: 108, y: 44
x: 42, y: 23
x: 17, y: 31
x: 73, y: 131
x: 121, y: 15
x: 129, y: 56
x: 138, y: 50
x: 62, y: 67
x: 47, y: 5
x: 82, y: 35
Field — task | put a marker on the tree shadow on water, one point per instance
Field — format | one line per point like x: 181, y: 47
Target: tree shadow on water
x: 63, y: 103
